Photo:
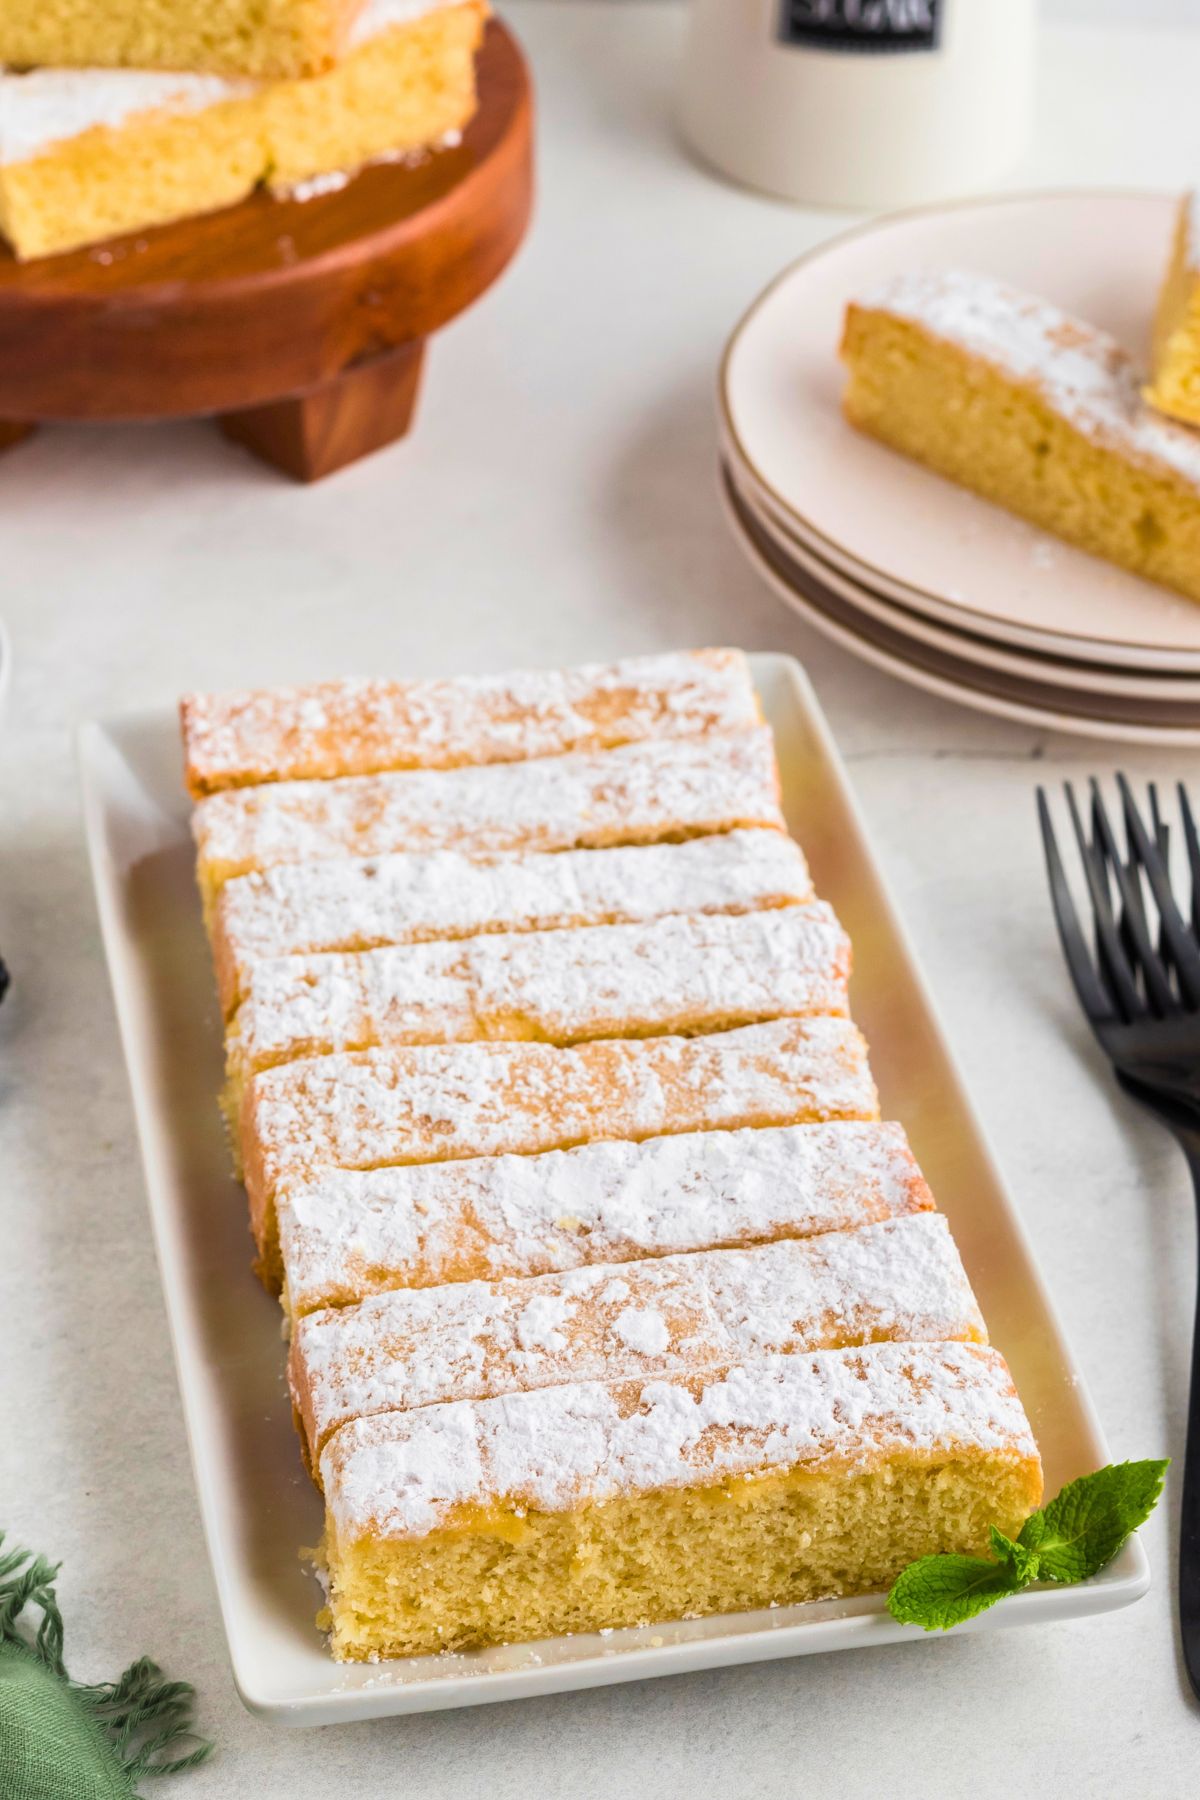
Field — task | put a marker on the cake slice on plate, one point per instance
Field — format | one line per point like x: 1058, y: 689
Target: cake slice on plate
x: 364, y: 727
x: 602, y: 1504
x: 363, y: 903
x: 386, y: 1107
x: 1174, y: 386
x: 674, y: 1315
x: 679, y: 975
x: 638, y: 793
x: 347, y: 1233
x: 1032, y: 409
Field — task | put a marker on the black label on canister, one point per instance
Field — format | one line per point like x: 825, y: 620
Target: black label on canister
x: 870, y: 27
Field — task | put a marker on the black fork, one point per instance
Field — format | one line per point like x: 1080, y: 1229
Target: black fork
x: 1139, y: 984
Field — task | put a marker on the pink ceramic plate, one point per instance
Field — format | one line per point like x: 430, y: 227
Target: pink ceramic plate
x: 886, y: 521
x: 1046, y: 708
x: 1097, y: 683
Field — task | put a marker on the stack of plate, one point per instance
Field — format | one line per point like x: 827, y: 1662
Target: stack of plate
x: 904, y: 569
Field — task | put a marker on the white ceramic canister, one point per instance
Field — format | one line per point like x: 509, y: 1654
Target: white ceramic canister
x: 859, y: 103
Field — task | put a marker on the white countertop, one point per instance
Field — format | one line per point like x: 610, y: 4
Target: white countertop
x: 557, y: 503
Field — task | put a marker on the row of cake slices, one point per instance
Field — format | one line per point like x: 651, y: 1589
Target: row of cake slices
x: 566, y: 1158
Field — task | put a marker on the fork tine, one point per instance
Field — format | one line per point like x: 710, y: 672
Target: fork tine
x: 1103, y: 846
x: 1162, y: 837
x: 1133, y: 901
x: 1162, y: 831
x: 1193, y: 852
x: 1093, y: 996
x: 1134, y: 930
x: 1112, y: 955
x: 1180, y: 945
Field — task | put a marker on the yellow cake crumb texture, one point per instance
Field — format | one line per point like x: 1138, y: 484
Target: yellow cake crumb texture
x: 612, y: 1299
x: 264, y: 38
x: 803, y: 1478
x: 676, y: 1555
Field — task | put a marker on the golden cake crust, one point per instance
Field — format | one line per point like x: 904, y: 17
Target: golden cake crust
x: 338, y: 728
x: 349, y: 1233
x: 679, y: 975
x: 899, y: 1280
x: 639, y: 793
x: 364, y: 903
x: 1174, y: 386
x: 381, y: 1107
x: 599, y: 1441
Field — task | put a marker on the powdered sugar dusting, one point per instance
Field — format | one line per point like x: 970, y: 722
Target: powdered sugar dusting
x: 358, y: 727
x: 1084, y: 374
x: 316, y: 186
x: 899, y: 1279
x: 348, y: 1233
x: 363, y: 903
x: 677, y: 974
x: 48, y: 106
x: 635, y: 793
x: 539, y: 1325
x: 402, y: 1475
x: 641, y: 1329
x: 378, y: 1107
x: 389, y: 15
x: 43, y: 107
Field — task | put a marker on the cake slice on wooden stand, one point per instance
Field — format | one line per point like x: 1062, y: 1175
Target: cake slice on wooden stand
x: 89, y: 154
x: 298, y: 315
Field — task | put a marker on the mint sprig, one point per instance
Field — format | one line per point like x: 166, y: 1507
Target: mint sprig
x: 1075, y: 1536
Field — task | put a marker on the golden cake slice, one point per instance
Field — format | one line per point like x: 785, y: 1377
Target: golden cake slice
x: 264, y: 38
x: 90, y: 154
x: 363, y: 903
x: 637, y: 793
x: 347, y: 1233
x: 1175, y: 381
x: 676, y: 976
x: 377, y: 1107
x: 1032, y: 409
x: 366, y: 727
x: 677, y: 1315
x: 598, y: 1505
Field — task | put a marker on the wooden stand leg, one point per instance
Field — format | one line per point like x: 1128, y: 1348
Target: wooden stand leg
x: 13, y: 432
x: 361, y: 410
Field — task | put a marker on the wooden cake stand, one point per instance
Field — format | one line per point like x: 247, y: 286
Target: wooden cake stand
x: 300, y: 324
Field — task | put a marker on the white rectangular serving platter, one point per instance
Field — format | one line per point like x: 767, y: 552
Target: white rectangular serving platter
x: 257, y: 1504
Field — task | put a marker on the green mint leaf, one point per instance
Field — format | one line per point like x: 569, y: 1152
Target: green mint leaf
x: 1022, y: 1564
x: 1073, y: 1537
x: 1081, y: 1530
x: 937, y: 1592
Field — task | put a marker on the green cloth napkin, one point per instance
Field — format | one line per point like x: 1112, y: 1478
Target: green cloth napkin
x: 60, y: 1740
